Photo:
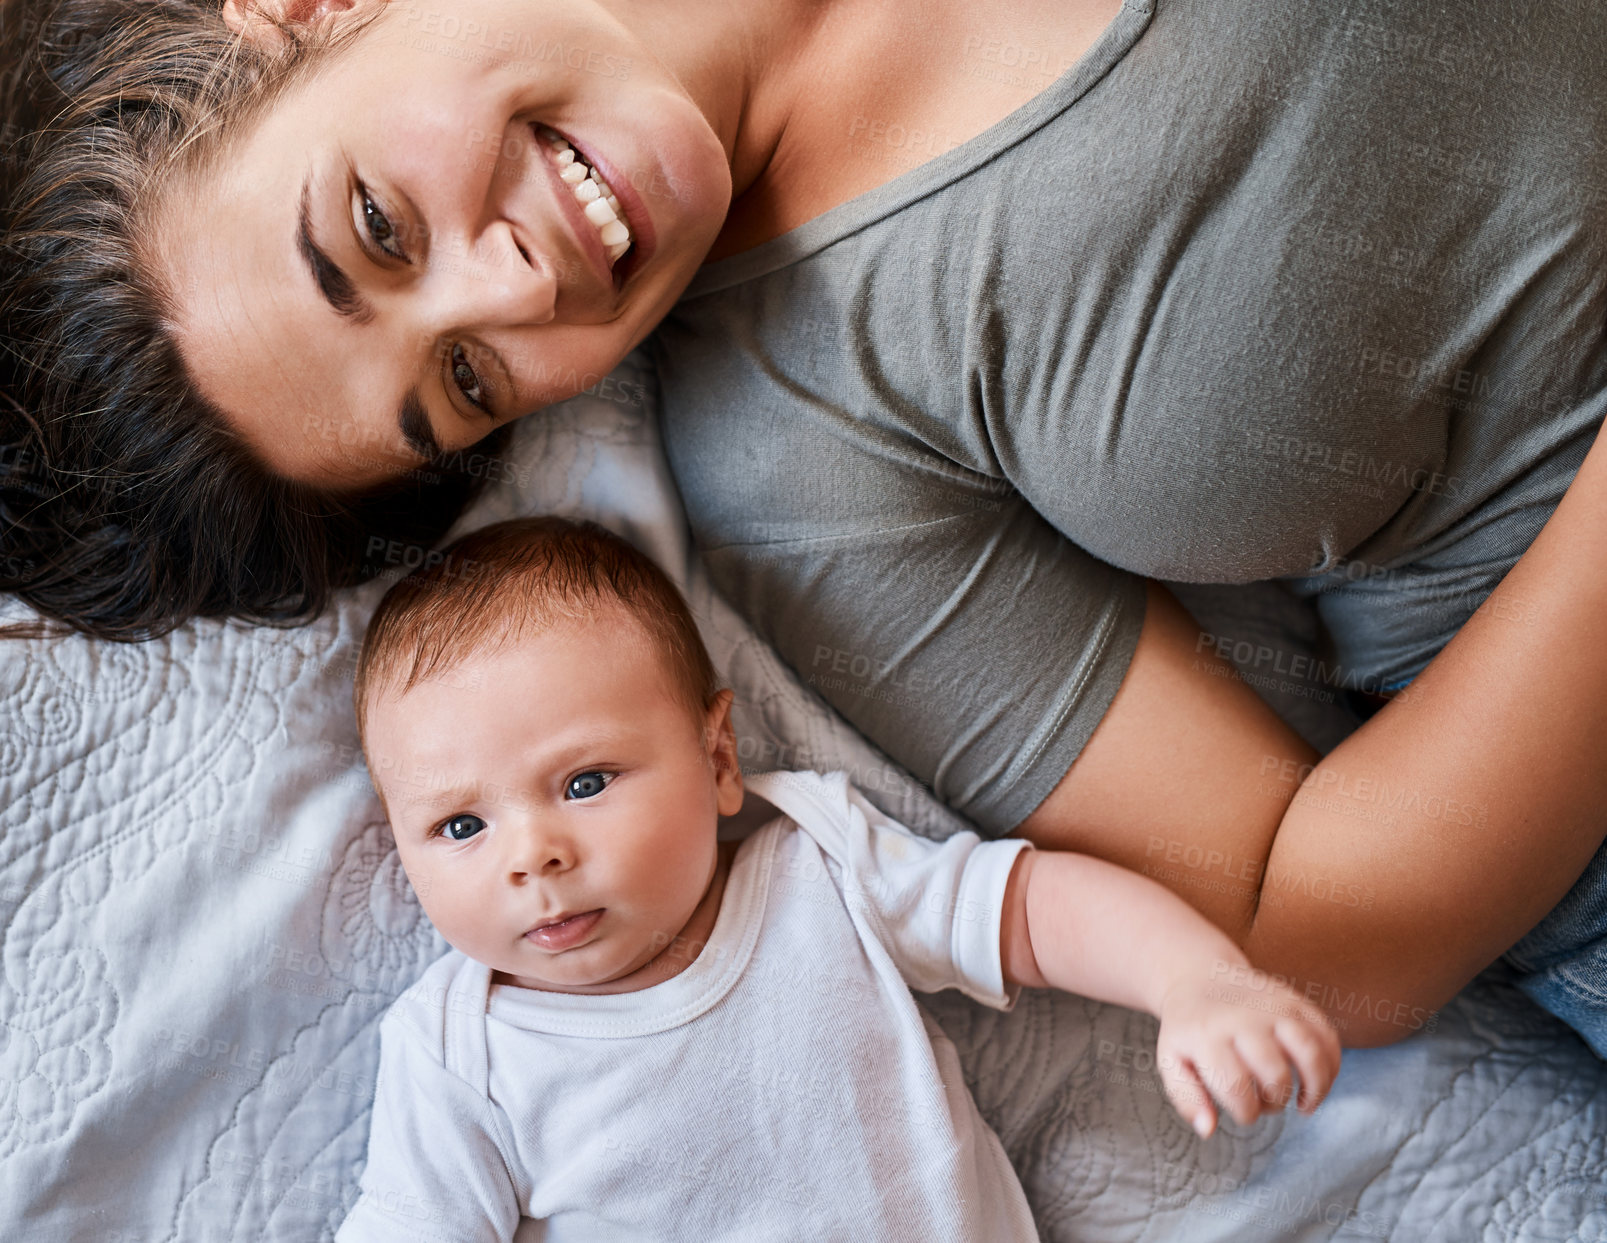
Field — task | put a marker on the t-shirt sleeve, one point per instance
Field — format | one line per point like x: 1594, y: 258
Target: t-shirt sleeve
x: 950, y: 624
x: 935, y: 906
x: 928, y: 603
x: 980, y: 650
x: 436, y: 1172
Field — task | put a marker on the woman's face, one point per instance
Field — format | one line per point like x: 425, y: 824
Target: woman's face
x: 391, y: 262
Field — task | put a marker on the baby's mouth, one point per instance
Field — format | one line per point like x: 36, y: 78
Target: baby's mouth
x: 596, y: 198
x: 565, y: 931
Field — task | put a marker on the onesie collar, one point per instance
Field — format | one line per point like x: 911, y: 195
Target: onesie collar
x: 678, y: 1000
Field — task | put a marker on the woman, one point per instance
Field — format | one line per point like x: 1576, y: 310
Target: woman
x: 1031, y: 303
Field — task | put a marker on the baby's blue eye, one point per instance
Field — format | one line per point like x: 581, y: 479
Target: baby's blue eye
x: 461, y: 828
x: 587, y: 785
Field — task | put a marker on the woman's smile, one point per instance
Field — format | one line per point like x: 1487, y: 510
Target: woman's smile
x: 495, y: 296
x: 620, y: 219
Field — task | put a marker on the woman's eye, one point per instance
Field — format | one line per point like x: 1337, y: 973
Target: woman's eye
x: 380, y: 227
x: 461, y: 828
x: 463, y: 376
x: 587, y: 785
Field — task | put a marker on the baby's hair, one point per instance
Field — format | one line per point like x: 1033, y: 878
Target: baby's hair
x: 495, y: 584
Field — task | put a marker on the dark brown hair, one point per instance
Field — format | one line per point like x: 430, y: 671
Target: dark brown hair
x: 127, y: 503
x: 516, y: 577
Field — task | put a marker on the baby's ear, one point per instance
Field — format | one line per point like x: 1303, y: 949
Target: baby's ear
x: 720, y: 739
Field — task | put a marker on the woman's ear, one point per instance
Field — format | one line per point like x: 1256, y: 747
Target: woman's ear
x: 263, y: 21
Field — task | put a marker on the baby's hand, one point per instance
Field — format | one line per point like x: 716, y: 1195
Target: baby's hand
x: 1240, y: 1045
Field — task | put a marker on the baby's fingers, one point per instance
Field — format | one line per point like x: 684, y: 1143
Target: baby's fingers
x: 1189, y: 1096
x: 1231, y: 1082
x: 1314, y: 1046
x: 1270, y: 1065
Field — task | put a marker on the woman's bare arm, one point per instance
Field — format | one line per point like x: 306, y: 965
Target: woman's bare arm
x: 1167, y: 785
x: 1417, y: 850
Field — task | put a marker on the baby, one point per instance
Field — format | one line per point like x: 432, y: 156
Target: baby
x: 643, y: 1031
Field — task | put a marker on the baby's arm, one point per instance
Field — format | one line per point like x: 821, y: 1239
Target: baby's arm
x: 1077, y: 923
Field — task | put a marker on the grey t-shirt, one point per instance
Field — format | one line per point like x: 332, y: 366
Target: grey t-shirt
x: 1256, y: 290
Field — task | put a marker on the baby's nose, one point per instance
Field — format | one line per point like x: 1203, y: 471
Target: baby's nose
x: 538, y: 852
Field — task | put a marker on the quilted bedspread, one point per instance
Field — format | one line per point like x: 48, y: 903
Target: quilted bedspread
x: 204, y: 919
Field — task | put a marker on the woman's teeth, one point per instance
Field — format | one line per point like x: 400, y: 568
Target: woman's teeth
x: 592, y: 193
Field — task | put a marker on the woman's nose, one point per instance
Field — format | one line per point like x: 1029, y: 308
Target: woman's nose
x: 500, y: 281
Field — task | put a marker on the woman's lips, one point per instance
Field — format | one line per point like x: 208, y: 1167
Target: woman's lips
x: 566, y: 933
x: 581, y: 230
x: 644, y: 238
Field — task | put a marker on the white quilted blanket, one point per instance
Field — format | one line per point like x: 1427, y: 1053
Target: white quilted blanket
x: 204, y: 919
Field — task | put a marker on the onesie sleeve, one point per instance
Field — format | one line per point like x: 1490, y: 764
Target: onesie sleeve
x: 935, y: 906
x: 436, y: 1172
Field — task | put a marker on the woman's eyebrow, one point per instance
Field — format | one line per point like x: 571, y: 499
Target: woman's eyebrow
x: 333, y: 284
x: 414, y: 421
x: 338, y: 290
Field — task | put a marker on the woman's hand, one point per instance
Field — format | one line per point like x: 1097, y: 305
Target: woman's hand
x: 1239, y: 1037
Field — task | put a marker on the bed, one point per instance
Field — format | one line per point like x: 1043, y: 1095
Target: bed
x: 204, y: 919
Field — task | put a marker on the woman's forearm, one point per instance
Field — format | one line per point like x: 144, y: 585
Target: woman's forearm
x: 1444, y: 828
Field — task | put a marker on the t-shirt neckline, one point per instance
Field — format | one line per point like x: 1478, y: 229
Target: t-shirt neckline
x: 679, y: 999
x: 865, y: 209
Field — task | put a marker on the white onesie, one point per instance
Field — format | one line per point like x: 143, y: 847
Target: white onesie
x: 784, y: 1085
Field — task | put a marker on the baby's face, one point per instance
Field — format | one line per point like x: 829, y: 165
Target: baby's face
x: 571, y: 781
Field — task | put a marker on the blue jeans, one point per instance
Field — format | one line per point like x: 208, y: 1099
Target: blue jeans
x: 1562, y: 960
